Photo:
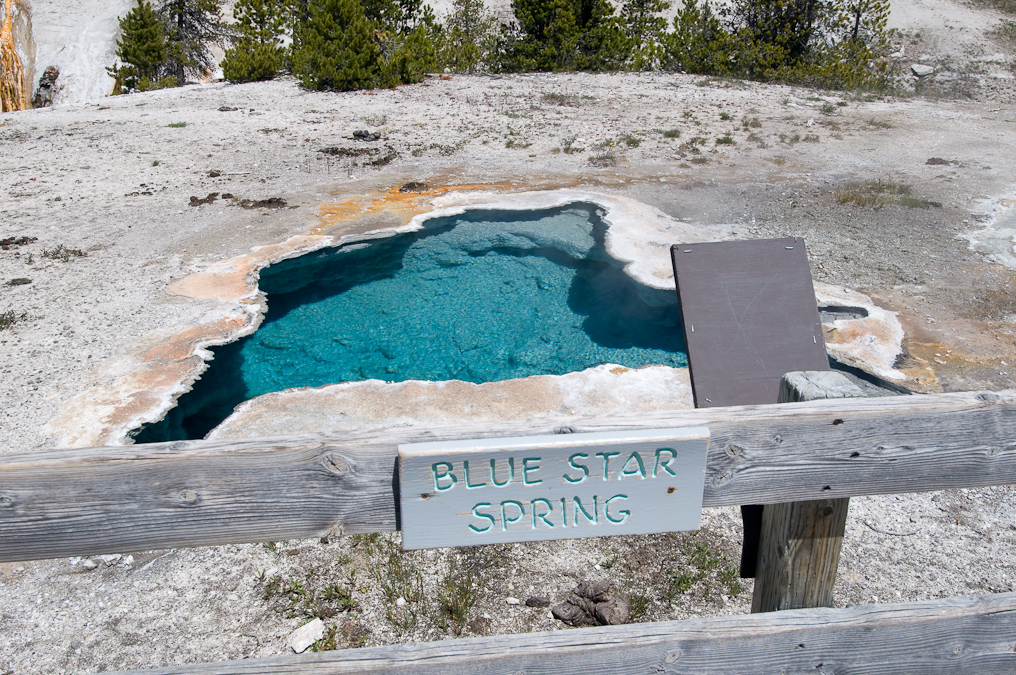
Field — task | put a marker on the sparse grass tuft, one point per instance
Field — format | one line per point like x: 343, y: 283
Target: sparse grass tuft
x: 631, y: 140
x: 810, y: 138
x: 400, y: 581
x: 1007, y: 6
x: 177, y: 125
x: 568, y: 145
x: 604, y: 159
x: 751, y: 123
x: 63, y: 253
x: 672, y: 133
x: 458, y: 595
x: 10, y: 317
x: 880, y: 193
x: 568, y: 100
x: 724, y: 116
x: 726, y: 140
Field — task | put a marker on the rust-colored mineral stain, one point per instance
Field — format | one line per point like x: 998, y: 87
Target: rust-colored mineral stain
x: 403, y: 205
x: 13, y: 89
x: 231, y: 281
x: 182, y: 345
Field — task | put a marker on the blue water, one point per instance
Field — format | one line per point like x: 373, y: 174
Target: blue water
x: 481, y: 297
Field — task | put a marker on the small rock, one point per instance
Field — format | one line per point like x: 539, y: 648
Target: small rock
x: 110, y: 559
x: 400, y: 602
x: 20, y: 281
x: 413, y: 186
x: 47, y: 87
x: 89, y: 564
x: 226, y: 108
x: 306, y: 635
x: 810, y: 123
x: 364, y: 135
x: 512, y: 601
x: 920, y: 70
x: 538, y: 601
x: 214, y: 173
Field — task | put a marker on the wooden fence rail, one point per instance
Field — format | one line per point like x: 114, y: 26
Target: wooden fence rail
x: 975, y: 634
x: 194, y: 493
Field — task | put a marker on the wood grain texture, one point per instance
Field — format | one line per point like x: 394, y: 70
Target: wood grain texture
x: 965, y: 635
x: 799, y: 544
x: 798, y: 555
x: 193, y: 493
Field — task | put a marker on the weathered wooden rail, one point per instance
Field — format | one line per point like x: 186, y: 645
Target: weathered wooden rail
x: 958, y: 635
x: 83, y: 502
x: 194, y: 493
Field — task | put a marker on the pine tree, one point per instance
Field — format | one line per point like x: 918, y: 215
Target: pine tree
x: 468, y: 37
x: 256, y: 53
x: 407, y: 34
x: 551, y: 35
x: 190, y: 26
x: 334, y: 47
x: 142, y: 50
x: 644, y: 28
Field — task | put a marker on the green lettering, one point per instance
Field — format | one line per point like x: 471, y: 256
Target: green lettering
x: 511, y: 473
x: 505, y: 520
x: 526, y: 469
x: 624, y: 512
x: 639, y: 470
x: 577, y: 506
x: 470, y: 486
x: 606, y: 462
x: 446, y: 474
x: 580, y: 467
x: 564, y: 512
x: 477, y: 514
x: 666, y: 465
x: 541, y: 516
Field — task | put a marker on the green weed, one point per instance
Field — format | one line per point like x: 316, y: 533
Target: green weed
x: 457, y: 597
x: 177, y: 125
x: 880, y: 193
x: 63, y: 253
x: 631, y: 141
x: 672, y: 133
x: 9, y: 318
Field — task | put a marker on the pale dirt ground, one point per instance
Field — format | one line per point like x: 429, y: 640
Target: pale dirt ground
x: 86, y: 177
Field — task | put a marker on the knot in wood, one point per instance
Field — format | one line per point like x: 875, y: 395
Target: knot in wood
x: 6, y: 502
x: 734, y: 450
x: 336, y: 464
x: 672, y: 656
x: 189, y: 498
x: 989, y: 397
x: 178, y: 445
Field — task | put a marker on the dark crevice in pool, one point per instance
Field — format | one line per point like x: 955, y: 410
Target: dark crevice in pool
x: 484, y: 296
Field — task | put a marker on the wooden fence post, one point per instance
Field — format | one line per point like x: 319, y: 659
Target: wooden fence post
x: 799, y: 545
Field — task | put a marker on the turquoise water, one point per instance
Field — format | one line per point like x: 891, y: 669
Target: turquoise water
x: 481, y: 297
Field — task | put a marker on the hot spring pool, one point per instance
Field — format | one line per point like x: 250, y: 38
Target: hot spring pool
x: 484, y: 296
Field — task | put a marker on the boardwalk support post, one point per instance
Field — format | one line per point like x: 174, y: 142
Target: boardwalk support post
x: 799, y: 544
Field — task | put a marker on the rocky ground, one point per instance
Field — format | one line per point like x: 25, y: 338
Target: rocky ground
x: 97, y: 220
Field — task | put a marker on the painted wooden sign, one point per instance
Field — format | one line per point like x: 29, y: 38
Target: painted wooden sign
x: 488, y: 491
